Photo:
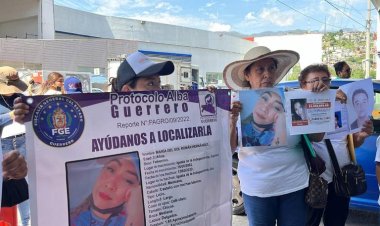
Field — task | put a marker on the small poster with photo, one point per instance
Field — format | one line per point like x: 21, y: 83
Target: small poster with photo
x: 360, y: 102
x: 263, y: 117
x: 340, y: 122
x: 313, y: 113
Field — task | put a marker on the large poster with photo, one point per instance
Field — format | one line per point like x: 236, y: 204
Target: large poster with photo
x: 310, y: 112
x: 140, y: 158
x: 360, y: 102
x: 350, y: 116
x: 262, y: 118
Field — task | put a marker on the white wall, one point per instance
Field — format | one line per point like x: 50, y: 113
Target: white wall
x: 73, y: 21
x: 309, y: 46
x: 18, y: 9
x: 210, y: 51
x: 64, y: 55
x: 19, y: 28
x: 205, y: 59
x: 46, y: 28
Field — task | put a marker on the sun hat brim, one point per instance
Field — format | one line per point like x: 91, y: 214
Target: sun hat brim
x: 233, y: 73
x: 15, y: 86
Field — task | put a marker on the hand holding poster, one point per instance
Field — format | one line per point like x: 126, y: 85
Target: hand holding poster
x: 263, y: 118
x: 148, y: 158
x: 313, y: 113
x: 350, y: 116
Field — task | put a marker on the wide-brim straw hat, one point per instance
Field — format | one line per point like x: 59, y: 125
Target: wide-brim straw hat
x: 233, y: 74
x: 10, y: 82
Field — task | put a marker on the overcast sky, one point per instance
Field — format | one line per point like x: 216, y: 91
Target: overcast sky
x: 244, y: 16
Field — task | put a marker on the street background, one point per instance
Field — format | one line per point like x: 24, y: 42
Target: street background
x: 356, y: 218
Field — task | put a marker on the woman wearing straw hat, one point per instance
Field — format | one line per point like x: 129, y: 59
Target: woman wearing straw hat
x: 12, y: 134
x: 272, y: 178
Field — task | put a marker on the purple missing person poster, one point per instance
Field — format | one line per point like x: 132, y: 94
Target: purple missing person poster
x: 138, y: 158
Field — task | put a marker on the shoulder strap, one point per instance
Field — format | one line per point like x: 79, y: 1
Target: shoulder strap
x: 334, y: 160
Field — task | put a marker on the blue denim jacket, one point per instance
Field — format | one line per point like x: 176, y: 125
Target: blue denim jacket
x: 5, y: 118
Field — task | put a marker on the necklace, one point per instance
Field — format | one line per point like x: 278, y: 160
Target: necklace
x: 6, y: 102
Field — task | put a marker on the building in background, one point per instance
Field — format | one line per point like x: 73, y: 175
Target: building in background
x: 38, y: 35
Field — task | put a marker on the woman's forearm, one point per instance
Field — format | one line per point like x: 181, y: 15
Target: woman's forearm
x: 358, y: 139
x: 5, y: 119
x: 233, y: 136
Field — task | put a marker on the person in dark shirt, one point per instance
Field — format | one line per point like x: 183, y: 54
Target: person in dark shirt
x: 342, y: 69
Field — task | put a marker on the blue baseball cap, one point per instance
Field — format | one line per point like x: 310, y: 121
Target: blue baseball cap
x: 73, y: 85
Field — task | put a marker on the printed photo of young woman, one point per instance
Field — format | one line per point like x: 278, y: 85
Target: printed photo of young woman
x: 298, y: 111
x: 263, y: 120
x: 105, y: 191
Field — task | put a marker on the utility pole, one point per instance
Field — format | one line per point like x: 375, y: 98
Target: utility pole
x: 368, y: 44
x: 326, y: 46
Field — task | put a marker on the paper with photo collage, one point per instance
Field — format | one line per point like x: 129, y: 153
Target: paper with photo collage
x: 314, y: 114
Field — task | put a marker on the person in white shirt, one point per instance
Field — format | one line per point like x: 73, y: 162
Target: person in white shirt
x: 53, y: 85
x: 272, y: 178
x: 336, y: 211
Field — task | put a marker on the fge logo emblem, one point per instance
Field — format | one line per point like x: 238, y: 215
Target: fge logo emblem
x: 207, y: 103
x: 58, y: 121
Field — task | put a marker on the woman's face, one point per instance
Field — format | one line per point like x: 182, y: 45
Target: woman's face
x: 262, y: 73
x: 114, y: 182
x: 267, y: 109
x: 58, y: 82
x: 314, y: 77
x: 144, y: 84
x: 298, y: 109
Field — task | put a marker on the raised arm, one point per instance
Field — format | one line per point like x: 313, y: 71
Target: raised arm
x: 235, y: 111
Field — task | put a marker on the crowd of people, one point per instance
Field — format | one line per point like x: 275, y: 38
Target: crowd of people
x: 273, y: 177
x: 13, y: 134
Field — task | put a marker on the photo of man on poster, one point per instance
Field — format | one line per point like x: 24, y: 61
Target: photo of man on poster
x: 114, y: 198
x: 361, y: 107
x: 263, y: 121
